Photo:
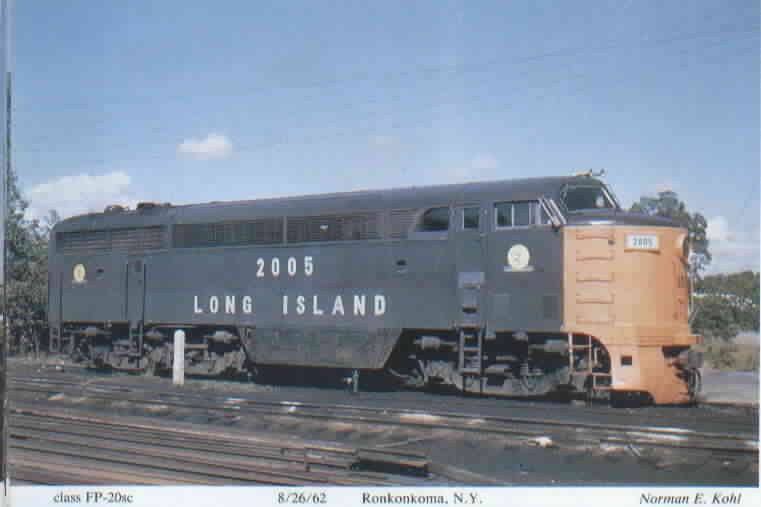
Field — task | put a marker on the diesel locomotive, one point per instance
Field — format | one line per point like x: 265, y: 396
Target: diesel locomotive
x: 519, y: 287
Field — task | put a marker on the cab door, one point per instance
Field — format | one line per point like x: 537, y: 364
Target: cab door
x: 525, y: 270
x: 470, y: 246
x: 135, y: 279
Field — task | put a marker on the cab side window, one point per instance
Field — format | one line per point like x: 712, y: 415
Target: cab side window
x: 519, y: 214
x: 435, y: 219
x: 470, y: 218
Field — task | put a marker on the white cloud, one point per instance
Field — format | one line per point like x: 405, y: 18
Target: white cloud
x: 731, y: 250
x: 663, y: 187
x: 718, y: 229
x: 83, y: 193
x: 213, y: 146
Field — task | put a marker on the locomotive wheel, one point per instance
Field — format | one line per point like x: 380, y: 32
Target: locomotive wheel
x: 419, y: 375
x: 80, y: 353
x: 150, y: 367
x: 471, y: 384
x: 415, y: 377
x: 529, y: 383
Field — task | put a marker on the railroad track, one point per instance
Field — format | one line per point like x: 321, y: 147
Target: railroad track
x: 735, y: 418
x: 54, y: 446
x: 541, y: 432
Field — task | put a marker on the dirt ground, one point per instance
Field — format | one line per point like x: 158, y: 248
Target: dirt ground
x: 511, y: 462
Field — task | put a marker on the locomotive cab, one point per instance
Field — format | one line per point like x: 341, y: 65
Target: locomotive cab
x: 627, y: 289
x: 563, y: 291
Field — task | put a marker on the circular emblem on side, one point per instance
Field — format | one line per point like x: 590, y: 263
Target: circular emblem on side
x: 79, y: 273
x: 518, y: 256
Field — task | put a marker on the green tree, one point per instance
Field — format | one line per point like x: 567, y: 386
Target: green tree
x: 735, y: 295
x: 26, y: 272
x: 715, y: 319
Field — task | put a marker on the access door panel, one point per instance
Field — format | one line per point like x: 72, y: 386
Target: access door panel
x: 525, y: 268
x: 469, y: 239
x: 135, y: 280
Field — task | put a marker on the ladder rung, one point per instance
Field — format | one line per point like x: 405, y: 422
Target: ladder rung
x: 471, y: 350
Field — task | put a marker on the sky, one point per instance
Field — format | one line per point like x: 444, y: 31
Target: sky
x: 4, y: 57
x: 189, y: 101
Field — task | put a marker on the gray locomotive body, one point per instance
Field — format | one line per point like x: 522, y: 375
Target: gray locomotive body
x: 455, y: 284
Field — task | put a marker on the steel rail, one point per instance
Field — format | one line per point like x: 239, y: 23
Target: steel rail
x: 234, y: 405
x: 194, y: 453
x: 658, y: 419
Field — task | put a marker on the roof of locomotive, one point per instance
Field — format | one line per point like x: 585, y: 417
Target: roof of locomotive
x: 343, y: 202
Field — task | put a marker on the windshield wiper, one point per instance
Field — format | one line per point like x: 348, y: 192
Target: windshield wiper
x: 553, y: 211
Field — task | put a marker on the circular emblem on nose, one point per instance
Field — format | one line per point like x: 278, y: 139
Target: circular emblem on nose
x: 79, y: 273
x: 518, y: 256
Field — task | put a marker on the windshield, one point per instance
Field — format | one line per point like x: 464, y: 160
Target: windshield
x: 584, y: 197
x: 613, y: 196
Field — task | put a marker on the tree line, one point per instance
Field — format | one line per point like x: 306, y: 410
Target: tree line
x: 726, y: 305
x: 723, y: 305
x: 26, y: 272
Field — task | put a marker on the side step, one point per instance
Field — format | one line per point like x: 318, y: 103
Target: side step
x: 591, y: 353
x: 471, y: 353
